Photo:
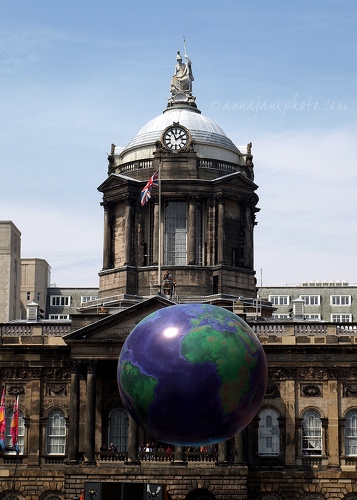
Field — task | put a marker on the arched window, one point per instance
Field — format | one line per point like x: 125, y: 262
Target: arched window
x: 118, y: 429
x: 21, y: 435
x: 351, y: 433
x: 56, y: 432
x: 311, y: 432
x: 268, y: 433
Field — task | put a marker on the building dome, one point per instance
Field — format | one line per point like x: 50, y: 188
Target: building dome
x: 210, y: 140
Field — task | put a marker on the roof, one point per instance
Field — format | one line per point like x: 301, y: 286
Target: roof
x: 202, y: 129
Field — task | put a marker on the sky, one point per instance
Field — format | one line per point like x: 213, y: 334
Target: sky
x: 77, y: 76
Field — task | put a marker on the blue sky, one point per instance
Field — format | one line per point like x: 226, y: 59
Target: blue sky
x: 76, y: 76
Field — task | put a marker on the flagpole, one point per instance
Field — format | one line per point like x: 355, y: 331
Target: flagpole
x: 159, y: 256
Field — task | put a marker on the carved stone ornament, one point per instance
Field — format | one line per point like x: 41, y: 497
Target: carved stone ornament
x: 16, y: 390
x: 310, y: 391
x: 283, y: 373
x: 272, y: 391
x: 57, y: 373
x: 312, y: 373
x: 56, y: 390
x: 350, y: 391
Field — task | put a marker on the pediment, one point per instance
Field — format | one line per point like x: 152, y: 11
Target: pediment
x: 116, y: 327
x: 237, y: 179
x: 115, y: 181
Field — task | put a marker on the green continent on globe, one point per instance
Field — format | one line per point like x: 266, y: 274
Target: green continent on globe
x: 205, y: 344
x: 140, y: 387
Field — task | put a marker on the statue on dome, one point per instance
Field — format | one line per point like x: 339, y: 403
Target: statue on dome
x: 181, y: 82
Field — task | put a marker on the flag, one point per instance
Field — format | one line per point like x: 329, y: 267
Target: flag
x: 2, y: 421
x: 146, y: 192
x: 15, y: 424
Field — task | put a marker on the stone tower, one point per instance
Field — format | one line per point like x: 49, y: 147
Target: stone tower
x: 199, y: 221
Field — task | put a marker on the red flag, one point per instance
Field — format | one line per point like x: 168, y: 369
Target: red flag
x: 146, y: 191
x: 2, y: 420
x: 15, y: 423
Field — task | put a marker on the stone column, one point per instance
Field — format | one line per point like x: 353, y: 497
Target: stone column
x: 73, y: 426
x: 191, y: 233
x: 220, y: 230
x: 341, y: 436
x: 179, y: 458
x: 238, y: 449
x: 155, y: 257
x: 325, y: 437
x: 133, y: 443
x: 107, y: 238
x: 222, y: 453
x: 209, y: 260
x: 128, y: 233
x: 90, y: 412
x: 248, y: 237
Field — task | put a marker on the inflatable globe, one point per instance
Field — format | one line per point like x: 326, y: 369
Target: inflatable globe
x: 192, y: 374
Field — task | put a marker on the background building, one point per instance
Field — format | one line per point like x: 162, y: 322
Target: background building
x: 10, y: 271
x: 334, y: 301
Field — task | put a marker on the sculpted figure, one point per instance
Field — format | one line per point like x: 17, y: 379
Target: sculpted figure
x: 182, y: 79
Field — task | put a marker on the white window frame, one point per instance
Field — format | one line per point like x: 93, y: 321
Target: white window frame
x: 60, y: 300
x: 311, y: 300
x: 268, y: 433
x: 87, y: 298
x: 279, y: 300
x: 340, y: 300
x: 59, y: 317
x: 280, y: 316
x: 311, y: 432
x: 56, y: 432
x: 351, y: 433
x: 313, y: 316
x: 341, y: 318
x: 118, y: 429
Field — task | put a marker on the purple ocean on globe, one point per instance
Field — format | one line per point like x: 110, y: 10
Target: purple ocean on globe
x: 192, y: 374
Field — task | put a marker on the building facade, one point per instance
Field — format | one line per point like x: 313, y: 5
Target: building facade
x: 198, y: 225
x: 334, y: 301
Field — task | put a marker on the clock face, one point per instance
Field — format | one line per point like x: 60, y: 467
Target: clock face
x: 175, y: 138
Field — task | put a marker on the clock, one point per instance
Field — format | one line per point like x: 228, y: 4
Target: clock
x: 175, y: 138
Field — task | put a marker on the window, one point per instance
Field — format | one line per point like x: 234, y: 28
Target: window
x: 340, y: 300
x: 28, y: 296
x: 56, y: 433
x: 87, y: 299
x: 118, y: 429
x: 38, y: 296
x: 341, y: 318
x: 59, y: 316
x: 175, y: 233
x: 21, y: 435
x: 280, y: 316
x: 279, y: 300
x: 59, y: 300
x: 311, y: 433
x: 313, y: 316
x: 268, y: 433
x: 351, y: 433
x: 311, y: 300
